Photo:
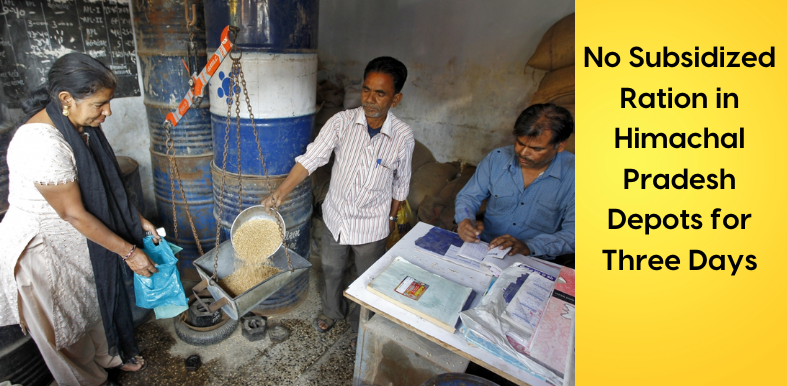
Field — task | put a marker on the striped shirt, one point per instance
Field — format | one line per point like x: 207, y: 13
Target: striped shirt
x: 366, y: 175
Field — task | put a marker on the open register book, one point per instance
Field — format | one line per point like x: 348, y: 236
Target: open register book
x: 449, y: 246
x: 423, y: 293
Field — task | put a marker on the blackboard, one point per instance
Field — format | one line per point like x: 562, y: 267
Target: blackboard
x: 37, y: 32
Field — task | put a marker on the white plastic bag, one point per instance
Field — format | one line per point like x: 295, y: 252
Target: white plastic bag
x: 483, y: 323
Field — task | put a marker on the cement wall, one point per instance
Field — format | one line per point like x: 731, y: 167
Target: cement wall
x: 127, y: 132
x: 466, y: 62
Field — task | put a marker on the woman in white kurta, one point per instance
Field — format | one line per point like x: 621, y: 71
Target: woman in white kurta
x: 47, y: 281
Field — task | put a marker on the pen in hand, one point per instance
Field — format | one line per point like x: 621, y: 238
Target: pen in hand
x: 472, y: 222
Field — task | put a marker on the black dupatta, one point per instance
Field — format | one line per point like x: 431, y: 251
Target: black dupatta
x: 104, y: 196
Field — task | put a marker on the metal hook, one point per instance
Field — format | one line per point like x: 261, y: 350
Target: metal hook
x: 193, y: 14
x: 234, y: 31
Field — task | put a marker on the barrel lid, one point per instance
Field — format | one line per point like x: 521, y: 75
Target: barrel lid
x: 127, y: 164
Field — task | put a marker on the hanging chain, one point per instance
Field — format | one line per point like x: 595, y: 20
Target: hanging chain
x: 237, y: 80
x: 235, y: 64
x: 174, y: 174
x: 282, y: 229
x: 235, y: 72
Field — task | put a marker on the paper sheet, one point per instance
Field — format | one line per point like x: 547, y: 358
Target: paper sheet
x: 479, y: 251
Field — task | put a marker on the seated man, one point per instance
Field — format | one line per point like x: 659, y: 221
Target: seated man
x: 530, y: 187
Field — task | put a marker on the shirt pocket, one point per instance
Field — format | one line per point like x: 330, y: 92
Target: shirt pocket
x: 502, y: 202
x: 545, y: 216
x: 380, y: 178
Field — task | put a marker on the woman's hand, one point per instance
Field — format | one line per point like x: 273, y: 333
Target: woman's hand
x: 140, y: 263
x: 149, y: 227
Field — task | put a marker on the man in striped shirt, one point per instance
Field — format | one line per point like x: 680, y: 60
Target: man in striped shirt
x: 370, y: 177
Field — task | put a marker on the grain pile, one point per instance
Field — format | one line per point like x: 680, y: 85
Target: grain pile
x: 246, y: 277
x: 254, y: 242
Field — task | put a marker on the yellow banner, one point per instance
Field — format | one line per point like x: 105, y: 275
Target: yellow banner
x: 680, y: 194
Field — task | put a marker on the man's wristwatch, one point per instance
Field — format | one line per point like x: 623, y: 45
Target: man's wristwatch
x: 393, y: 218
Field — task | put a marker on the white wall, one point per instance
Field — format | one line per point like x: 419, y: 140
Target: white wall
x: 127, y: 132
x: 466, y: 62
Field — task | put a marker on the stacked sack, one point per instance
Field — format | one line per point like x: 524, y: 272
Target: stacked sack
x: 555, y: 53
x: 433, y: 191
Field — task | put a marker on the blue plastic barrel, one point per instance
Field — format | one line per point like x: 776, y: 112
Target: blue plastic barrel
x: 162, y: 45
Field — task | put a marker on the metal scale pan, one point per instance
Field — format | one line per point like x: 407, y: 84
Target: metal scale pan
x: 243, y: 303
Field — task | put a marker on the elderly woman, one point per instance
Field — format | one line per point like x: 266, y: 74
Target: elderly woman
x: 69, y: 228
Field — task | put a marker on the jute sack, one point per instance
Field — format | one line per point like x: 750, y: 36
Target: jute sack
x: 421, y: 156
x: 556, y: 84
x: 565, y: 101
x: 556, y: 49
x: 429, y: 180
x: 437, y: 211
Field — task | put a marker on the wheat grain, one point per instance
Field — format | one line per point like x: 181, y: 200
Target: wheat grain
x: 246, y: 277
x: 255, y: 240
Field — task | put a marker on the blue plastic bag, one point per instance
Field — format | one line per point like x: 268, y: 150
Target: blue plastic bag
x: 162, y: 291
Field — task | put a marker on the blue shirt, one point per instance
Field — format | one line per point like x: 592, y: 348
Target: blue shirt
x: 542, y: 215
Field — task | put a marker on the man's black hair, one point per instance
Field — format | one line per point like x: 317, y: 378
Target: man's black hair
x: 390, y: 66
x: 539, y: 117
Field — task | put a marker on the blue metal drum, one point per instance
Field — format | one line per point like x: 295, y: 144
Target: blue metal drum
x: 269, y: 26
x: 278, y: 40
x: 281, y: 140
x: 196, y: 178
x: 162, y: 45
x: 296, y: 210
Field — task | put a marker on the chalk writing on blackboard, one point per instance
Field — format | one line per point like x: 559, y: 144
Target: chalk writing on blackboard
x: 34, y: 33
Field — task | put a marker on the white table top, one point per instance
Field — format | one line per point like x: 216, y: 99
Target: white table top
x: 476, y: 280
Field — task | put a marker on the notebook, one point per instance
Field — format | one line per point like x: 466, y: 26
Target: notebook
x: 423, y: 293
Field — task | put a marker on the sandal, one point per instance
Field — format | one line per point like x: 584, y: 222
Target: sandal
x: 328, y: 322
x: 133, y: 361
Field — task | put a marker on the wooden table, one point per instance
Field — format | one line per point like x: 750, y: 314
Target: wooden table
x: 455, y: 342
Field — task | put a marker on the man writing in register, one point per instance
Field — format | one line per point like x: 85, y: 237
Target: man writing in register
x: 530, y: 187
x: 370, y: 177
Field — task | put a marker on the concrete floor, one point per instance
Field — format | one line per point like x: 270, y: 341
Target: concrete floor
x: 306, y: 358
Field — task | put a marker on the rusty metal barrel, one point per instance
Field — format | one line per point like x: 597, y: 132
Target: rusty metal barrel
x: 278, y: 39
x: 165, y: 47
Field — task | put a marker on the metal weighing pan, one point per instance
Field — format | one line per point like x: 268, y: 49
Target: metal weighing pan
x: 252, y: 213
x: 243, y: 303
